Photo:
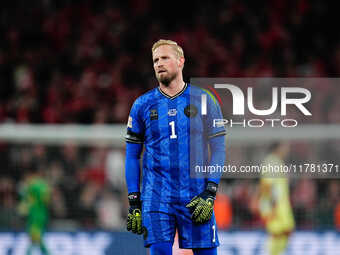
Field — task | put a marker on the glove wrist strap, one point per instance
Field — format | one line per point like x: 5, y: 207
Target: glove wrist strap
x: 212, y: 188
x: 134, y: 199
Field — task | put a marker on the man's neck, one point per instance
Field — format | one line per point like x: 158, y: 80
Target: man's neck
x: 174, y: 87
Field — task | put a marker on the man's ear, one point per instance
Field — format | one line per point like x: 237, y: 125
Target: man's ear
x: 181, y: 61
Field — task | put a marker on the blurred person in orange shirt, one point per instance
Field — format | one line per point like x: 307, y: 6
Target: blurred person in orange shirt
x: 223, y: 208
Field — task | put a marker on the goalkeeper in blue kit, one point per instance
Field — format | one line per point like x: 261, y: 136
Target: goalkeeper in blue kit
x: 176, y: 136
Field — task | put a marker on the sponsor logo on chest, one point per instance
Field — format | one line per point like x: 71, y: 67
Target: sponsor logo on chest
x: 153, y: 114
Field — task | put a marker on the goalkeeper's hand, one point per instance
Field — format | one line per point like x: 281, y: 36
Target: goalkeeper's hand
x: 202, y: 206
x: 134, y: 218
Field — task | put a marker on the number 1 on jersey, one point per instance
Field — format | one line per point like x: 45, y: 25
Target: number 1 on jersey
x: 173, y: 133
x: 214, y: 233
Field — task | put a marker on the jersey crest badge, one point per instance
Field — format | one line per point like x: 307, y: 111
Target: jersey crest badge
x: 190, y: 111
x: 172, y: 112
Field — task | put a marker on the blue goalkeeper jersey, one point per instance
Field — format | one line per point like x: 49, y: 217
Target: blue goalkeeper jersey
x: 175, y: 136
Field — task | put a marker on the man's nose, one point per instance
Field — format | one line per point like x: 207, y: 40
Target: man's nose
x: 159, y: 65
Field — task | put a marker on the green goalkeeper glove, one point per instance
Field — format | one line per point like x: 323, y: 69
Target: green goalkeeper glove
x: 202, y: 206
x: 134, y: 218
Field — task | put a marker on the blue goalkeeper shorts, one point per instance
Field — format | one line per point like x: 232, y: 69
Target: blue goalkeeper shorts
x: 162, y: 219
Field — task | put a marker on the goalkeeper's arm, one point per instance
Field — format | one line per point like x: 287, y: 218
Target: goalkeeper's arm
x: 132, y: 176
x: 132, y: 167
x: 217, y: 151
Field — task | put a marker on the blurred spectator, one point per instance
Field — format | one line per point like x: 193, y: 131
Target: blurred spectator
x: 304, y: 200
x: 337, y: 216
x: 115, y: 169
x: 223, y: 211
x: 241, y: 200
x: 326, y: 211
x: 109, y: 211
x: 86, y: 210
x: 9, y: 217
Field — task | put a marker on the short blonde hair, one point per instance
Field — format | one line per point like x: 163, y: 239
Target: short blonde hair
x: 178, y: 49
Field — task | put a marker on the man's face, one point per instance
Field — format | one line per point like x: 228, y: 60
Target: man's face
x: 166, y: 64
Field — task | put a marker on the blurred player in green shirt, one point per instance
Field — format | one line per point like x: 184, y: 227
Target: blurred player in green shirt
x: 274, y: 202
x: 35, y: 197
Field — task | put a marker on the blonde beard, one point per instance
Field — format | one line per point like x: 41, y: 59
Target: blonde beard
x: 166, y: 80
